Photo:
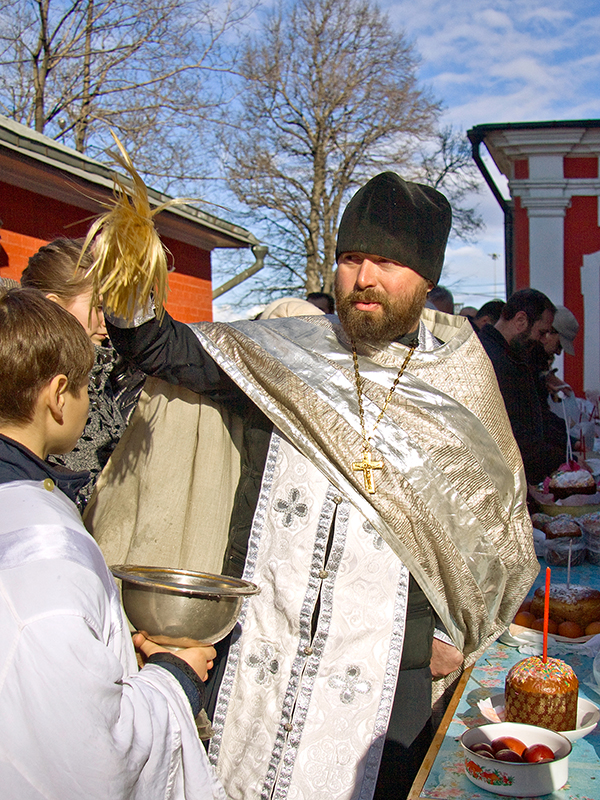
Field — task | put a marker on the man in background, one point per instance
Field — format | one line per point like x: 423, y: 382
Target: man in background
x: 489, y: 313
x: 322, y: 300
x: 562, y: 337
x: 442, y: 299
x: 525, y: 321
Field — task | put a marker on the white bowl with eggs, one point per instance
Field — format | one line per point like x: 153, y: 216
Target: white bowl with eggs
x: 516, y: 779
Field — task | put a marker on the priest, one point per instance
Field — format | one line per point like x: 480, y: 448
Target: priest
x: 381, y: 496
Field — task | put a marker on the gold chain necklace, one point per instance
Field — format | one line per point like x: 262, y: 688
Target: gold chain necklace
x: 366, y: 465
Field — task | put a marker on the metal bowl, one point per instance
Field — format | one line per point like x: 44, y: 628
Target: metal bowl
x: 177, y: 608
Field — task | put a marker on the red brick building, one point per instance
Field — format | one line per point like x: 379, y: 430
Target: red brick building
x: 48, y: 190
x: 552, y: 222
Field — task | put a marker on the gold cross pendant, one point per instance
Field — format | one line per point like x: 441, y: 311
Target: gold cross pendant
x: 366, y: 466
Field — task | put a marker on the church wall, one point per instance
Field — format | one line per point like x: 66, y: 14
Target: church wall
x: 30, y: 220
x: 521, y: 244
x: 190, y: 287
x: 590, y: 285
x: 580, y: 167
x: 582, y: 237
x: 554, y: 182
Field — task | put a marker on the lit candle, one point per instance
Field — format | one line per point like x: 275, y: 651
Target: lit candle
x: 546, y: 615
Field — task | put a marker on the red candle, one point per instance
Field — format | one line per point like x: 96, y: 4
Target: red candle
x: 546, y: 615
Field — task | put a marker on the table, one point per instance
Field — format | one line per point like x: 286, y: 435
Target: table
x: 442, y: 777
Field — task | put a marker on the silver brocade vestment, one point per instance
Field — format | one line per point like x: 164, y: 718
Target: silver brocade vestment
x: 306, y: 697
x: 450, y: 501
x: 305, y: 700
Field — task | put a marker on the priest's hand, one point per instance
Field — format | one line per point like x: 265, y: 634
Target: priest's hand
x: 200, y: 659
x: 445, y: 658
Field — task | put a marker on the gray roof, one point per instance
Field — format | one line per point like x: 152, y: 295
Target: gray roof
x: 33, y: 161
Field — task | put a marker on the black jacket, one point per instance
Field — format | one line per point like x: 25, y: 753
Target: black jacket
x: 543, y: 450
x: 18, y: 463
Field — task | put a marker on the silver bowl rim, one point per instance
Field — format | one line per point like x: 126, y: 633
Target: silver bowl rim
x: 131, y: 573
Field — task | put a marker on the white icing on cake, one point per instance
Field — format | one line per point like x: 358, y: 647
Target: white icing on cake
x: 570, y: 595
x: 567, y: 480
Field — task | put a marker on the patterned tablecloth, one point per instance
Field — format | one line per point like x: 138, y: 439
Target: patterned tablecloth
x: 446, y: 779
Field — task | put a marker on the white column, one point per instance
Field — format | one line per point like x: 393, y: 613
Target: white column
x: 543, y: 195
x: 590, y: 289
x: 547, y: 250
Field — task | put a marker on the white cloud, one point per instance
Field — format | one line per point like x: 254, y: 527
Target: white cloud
x: 502, y: 62
x: 505, y: 61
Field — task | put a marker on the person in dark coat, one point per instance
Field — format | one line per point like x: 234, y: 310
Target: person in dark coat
x: 526, y: 320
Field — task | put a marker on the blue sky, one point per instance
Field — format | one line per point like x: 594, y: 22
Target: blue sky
x: 505, y: 61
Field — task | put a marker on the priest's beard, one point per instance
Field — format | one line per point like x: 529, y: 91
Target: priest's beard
x: 397, y: 316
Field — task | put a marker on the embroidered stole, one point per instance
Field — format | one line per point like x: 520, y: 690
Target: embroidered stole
x: 309, y: 686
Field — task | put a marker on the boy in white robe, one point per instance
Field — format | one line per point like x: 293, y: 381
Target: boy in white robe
x: 78, y: 720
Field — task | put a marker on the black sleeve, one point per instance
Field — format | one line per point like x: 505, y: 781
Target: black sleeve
x: 169, y: 350
x: 191, y: 683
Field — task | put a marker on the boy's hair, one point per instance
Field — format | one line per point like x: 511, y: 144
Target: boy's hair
x: 38, y: 340
x: 53, y: 269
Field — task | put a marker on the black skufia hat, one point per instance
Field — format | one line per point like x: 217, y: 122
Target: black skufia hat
x: 391, y: 217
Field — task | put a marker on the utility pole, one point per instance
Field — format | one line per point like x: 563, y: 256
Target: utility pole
x: 494, y: 257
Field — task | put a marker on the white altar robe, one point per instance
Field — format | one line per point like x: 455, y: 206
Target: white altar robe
x: 78, y: 720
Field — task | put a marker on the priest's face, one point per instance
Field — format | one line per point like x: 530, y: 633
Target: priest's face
x: 377, y: 299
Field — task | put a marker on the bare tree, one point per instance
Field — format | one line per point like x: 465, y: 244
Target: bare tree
x: 71, y: 68
x: 446, y: 163
x: 329, y: 95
